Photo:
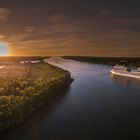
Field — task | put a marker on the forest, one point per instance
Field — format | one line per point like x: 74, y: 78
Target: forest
x: 25, y: 87
x: 128, y: 61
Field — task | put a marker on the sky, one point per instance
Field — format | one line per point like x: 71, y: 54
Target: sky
x: 71, y: 27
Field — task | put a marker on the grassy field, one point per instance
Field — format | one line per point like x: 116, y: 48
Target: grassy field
x: 25, y: 87
x: 19, y: 71
x: 13, y: 71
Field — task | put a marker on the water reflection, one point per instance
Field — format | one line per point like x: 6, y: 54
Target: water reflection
x: 128, y: 81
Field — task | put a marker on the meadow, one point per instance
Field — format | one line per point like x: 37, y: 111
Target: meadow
x: 25, y: 87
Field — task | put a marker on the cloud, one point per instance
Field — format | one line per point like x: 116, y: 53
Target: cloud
x: 30, y: 29
x: 2, y: 36
x: 4, y: 14
x: 63, y: 31
x: 105, y: 33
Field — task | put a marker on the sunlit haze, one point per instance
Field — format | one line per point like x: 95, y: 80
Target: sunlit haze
x: 4, y: 49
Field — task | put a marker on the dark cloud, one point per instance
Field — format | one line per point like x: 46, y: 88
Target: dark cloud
x: 4, y: 14
x: 72, y: 27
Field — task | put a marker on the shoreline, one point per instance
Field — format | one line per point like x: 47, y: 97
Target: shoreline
x: 112, y: 61
x: 54, y: 97
x: 21, y: 107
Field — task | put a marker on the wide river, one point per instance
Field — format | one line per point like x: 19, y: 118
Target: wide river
x: 97, y: 106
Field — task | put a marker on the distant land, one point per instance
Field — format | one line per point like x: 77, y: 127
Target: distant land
x: 128, y: 61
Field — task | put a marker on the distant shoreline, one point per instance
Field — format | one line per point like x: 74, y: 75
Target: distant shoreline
x: 130, y: 61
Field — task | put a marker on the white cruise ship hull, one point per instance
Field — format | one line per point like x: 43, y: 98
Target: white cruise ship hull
x: 125, y: 73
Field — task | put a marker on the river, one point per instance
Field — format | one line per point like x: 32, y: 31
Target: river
x: 97, y: 106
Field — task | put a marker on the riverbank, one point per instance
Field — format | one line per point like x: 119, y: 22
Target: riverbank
x: 96, y: 106
x: 26, y: 87
x: 129, y: 61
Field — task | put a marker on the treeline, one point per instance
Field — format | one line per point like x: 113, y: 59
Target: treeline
x: 130, y: 61
x: 20, y: 97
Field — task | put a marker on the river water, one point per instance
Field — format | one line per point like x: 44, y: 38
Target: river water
x: 97, y: 106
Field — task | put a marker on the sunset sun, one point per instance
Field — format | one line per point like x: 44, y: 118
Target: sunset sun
x: 3, y: 49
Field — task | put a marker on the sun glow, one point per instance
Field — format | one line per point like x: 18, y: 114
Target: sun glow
x: 4, y: 50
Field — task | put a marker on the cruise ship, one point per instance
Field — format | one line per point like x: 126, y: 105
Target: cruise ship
x: 126, y: 71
